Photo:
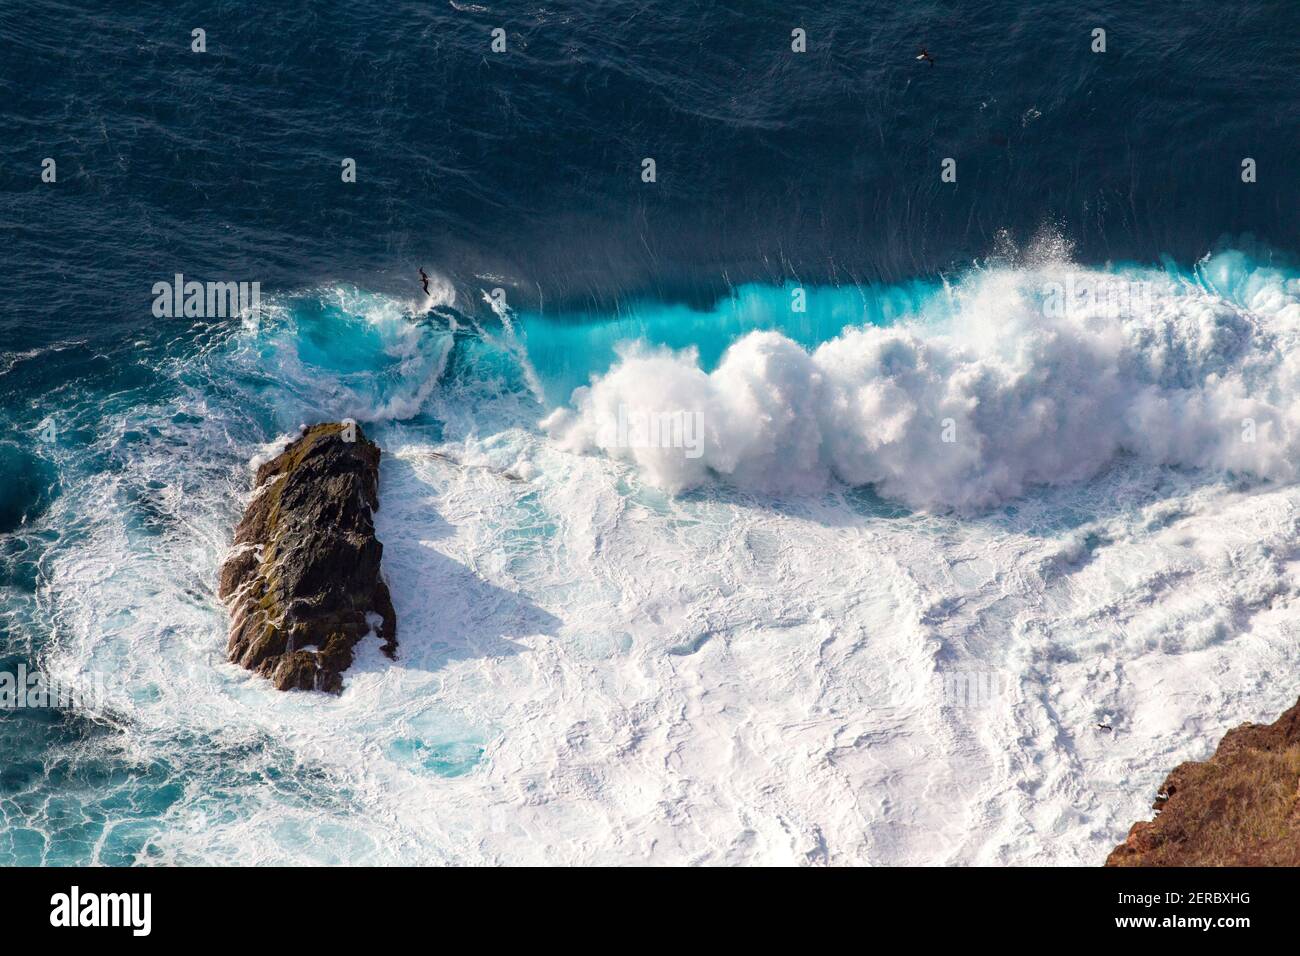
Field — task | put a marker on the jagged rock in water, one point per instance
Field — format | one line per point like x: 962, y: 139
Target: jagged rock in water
x: 303, y: 581
x: 1239, y: 808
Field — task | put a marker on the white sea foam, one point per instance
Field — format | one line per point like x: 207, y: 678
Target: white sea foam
x: 724, y: 677
x: 998, y: 397
x: 361, y: 357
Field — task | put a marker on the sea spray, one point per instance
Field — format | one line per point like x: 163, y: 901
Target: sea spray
x: 1015, y: 388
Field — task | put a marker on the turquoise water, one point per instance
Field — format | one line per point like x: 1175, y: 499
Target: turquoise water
x: 570, y: 347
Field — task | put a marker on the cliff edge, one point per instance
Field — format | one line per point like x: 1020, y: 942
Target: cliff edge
x: 1239, y: 808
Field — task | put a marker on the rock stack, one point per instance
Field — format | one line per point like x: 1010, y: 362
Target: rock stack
x: 303, y: 581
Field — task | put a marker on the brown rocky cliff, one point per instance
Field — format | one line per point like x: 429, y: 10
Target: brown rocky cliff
x: 1239, y: 808
x: 303, y: 580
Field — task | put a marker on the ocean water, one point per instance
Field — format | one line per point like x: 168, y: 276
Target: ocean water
x: 943, y: 522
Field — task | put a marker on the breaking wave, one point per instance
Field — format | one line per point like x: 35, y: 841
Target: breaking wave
x: 1010, y: 378
x: 583, y: 653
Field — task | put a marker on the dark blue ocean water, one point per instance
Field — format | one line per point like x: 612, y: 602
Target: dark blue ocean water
x: 525, y: 165
x: 522, y: 170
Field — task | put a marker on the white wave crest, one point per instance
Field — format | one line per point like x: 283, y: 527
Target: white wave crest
x: 1017, y: 386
